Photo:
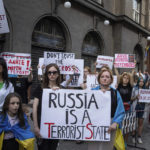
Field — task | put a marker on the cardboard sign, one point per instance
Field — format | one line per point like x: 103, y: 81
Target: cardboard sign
x: 3, y: 20
x: 114, y: 84
x: 104, y: 61
x: 57, y: 58
x: 17, y: 63
x: 41, y: 63
x: 144, y: 95
x: 78, y: 73
x: 124, y: 61
x: 91, y: 81
x: 75, y: 115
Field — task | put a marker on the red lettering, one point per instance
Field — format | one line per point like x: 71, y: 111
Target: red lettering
x: 89, y: 130
x: 49, y: 128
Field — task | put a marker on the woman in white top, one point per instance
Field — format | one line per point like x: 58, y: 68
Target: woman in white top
x: 5, y: 86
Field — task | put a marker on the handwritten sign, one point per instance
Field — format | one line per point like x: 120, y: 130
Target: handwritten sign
x: 3, y: 20
x: 58, y: 58
x: 144, y: 95
x: 92, y: 81
x: 104, y: 61
x: 124, y: 61
x: 17, y: 63
x: 75, y: 115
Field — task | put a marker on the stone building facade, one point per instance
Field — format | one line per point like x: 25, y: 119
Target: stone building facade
x: 46, y: 25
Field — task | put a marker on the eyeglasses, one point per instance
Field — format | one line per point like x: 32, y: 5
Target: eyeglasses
x: 52, y: 72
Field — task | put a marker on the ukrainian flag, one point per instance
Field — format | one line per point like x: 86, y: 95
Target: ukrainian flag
x: 23, y: 136
x: 119, y: 140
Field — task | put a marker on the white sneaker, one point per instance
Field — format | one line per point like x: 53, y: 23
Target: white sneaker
x: 139, y: 140
x: 133, y: 140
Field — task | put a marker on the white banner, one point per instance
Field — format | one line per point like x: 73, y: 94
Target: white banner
x: 75, y: 115
x: 17, y: 63
x: 58, y: 58
x: 114, y: 84
x: 78, y: 72
x: 3, y: 20
x: 144, y: 95
x: 104, y: 61
x: 124, y: 61
x: 91, y: 81
x: 41, y: 63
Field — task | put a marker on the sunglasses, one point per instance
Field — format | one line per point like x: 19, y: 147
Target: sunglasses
x: 52, y: 72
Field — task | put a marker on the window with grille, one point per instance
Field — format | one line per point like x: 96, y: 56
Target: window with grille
x: 49, y: 33
x: 136, y: 10
x: 91, y: 48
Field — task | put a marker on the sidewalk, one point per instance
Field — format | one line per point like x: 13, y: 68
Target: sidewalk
x: 145, y: 138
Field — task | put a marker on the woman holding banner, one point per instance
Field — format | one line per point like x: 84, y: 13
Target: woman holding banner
x: 5, y: 86
x: 105, y: 78
x: 51, y: 80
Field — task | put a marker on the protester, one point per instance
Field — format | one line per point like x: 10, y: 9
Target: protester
x: 51, y: 80
x: 14, y: 128
x: 105, y: 78
x: 22, y: 85
x: 5, y: 86
x: 139, y: 108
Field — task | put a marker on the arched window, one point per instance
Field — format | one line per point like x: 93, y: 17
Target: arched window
x: 49, y: 33
x: 138, y: 57
x: 92, y: 46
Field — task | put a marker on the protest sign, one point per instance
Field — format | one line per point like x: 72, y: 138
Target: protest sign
x: 114, y: 84
x: 104, y: 61
x: 41, y: 63
x: 124, y: 61
x: 3, y: 20
x: 75, y: 115
x: 78, y: 72
x: 58, y: 58
x: 17, y: 63
x: 91, y: 81
x: 144, y: 95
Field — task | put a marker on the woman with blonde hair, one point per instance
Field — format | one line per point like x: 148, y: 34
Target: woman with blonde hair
x: 105, y: 78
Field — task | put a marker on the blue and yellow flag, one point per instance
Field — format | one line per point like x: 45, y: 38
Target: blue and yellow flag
x: 23, y: 136
x: 119, y: 140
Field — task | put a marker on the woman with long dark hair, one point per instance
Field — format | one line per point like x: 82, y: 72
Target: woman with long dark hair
x: 51, y: 80
x: 5, y: 86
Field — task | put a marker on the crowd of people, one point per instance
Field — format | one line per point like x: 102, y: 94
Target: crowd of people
x: 15, y: 95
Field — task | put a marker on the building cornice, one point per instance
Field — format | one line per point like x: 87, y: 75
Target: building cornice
x: 113, y: 18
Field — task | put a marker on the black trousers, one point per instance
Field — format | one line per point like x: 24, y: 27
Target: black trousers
x: 47, y: 144
x: 10, y: 144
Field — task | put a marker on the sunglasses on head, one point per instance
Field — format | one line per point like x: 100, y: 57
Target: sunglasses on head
x: 52, y: 72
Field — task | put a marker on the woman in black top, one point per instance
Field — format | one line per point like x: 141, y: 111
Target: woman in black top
x: 125, y: 90
x: 51, y: 79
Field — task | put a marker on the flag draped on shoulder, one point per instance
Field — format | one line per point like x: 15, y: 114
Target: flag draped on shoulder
x: 23, y: 136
